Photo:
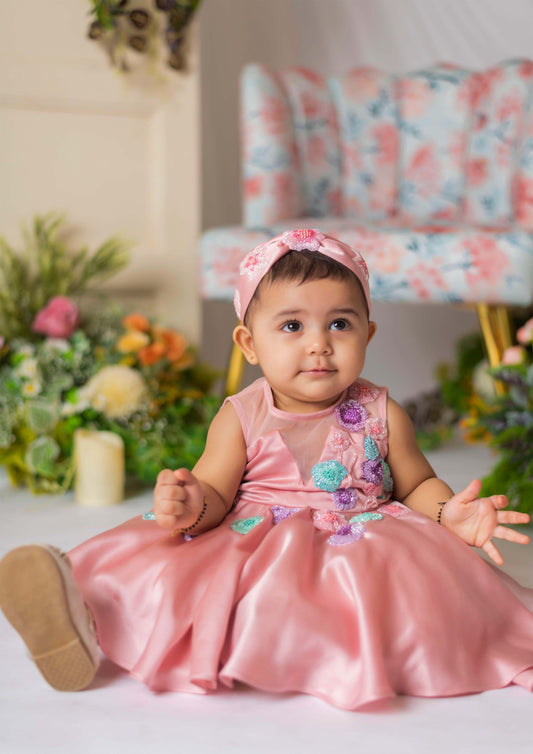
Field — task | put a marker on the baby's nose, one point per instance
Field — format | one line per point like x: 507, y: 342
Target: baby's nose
x: 319, y: 343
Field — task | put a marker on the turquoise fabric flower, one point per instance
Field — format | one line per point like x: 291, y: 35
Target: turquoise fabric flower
x: 328, y: 475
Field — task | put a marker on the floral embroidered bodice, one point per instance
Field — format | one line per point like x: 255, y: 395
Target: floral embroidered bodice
x: 332, y: 460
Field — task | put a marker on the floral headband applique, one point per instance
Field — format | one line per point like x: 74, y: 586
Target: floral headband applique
x: 258, y: 262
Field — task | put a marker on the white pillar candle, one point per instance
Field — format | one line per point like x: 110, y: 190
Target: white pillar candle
x: 99, y: 458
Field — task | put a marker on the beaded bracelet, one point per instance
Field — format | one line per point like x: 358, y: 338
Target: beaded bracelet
x: 441, y: 508
x: 188, y: 528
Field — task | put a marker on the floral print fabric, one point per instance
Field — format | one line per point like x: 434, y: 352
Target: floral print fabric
x: 429, y: 175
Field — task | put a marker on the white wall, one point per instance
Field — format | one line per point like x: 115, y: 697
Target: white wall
x: 333, y: 36
x: 119, y: 153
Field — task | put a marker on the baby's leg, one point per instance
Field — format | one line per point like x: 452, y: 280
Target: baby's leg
x: 41, y: 600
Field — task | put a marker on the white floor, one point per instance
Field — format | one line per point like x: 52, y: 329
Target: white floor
x: 119, y: 714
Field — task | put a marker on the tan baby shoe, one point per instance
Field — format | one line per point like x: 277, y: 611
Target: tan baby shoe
x: 41, y: 600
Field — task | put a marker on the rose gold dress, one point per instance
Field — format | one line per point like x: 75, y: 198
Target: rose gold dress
x: 315, y: 582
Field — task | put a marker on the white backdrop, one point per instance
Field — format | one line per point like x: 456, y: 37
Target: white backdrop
x: 334, y: 36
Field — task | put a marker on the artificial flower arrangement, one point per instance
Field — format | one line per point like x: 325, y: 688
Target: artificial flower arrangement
x: 505, y: 420
x: 62, y: 369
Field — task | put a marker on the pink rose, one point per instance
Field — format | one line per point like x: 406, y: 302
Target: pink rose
x: 525, y: 334
x: 514, y: 355
x: 59, y: 318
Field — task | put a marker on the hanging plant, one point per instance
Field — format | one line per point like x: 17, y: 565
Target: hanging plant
x: 128, y: 28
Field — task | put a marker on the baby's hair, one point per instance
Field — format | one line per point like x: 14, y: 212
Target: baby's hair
x: 301, y: 267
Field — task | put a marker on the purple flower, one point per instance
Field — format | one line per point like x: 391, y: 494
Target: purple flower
x: 280, y: 513
x: 347, y: 534
x: 344, y: 499
x: 351, y: 415
x: 373, y: 471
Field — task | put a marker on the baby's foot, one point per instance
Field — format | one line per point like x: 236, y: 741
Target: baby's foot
x: 41, y: 600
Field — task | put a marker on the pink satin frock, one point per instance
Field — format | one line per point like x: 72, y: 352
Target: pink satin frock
x: 315, y: 582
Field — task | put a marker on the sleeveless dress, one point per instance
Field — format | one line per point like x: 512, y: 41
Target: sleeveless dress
x: 315, y: 581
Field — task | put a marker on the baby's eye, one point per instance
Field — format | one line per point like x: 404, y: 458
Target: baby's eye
x: 293, y: 326
x: 340, y: 324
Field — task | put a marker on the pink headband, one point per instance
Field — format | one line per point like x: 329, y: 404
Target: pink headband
x: 257, y: 262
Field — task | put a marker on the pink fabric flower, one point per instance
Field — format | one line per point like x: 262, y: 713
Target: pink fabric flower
x: 60, y: 318
x: 304, y: 239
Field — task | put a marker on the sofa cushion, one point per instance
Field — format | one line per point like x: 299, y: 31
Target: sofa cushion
x: 271, y: 186
x: 365, y: 103
x: 428, y: 264
x: 434, y: 118
x: 501, y: 102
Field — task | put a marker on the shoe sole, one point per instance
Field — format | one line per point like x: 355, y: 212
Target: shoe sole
x: 39, y: 598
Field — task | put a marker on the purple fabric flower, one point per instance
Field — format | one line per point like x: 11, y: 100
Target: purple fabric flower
x: 351, y: 415
x: 280, y: 513
x: 344, y: 499
x: 347, y: 534
x: 373, y: 471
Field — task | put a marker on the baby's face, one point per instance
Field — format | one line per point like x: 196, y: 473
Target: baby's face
x: 310, y: 340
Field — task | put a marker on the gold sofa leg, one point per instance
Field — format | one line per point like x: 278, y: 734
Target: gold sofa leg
x: 235, y: 370
x: 496, y: 330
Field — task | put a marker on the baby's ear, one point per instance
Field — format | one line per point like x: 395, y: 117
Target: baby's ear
x: 372, y: 327
x: 243, y: 338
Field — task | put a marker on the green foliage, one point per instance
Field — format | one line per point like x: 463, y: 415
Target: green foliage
x: 158, y: 400
x: 455, y: 382
x: 507, y: 422
x: 44, y: 269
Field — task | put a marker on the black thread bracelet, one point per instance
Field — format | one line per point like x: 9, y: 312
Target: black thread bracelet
x: 441, y: 508
x: 188, y: 528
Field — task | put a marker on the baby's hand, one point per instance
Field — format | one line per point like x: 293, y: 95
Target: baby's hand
x: 476, y: 520
x: 178, y: 499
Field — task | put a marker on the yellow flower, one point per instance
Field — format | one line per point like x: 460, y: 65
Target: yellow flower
x: 118, y: 391
x: 132, y: 341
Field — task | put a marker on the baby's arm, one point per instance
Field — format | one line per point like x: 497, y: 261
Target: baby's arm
x: 416, y: 485
x: 180, y: 496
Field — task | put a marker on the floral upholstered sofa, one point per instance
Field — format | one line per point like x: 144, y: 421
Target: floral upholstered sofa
x: 428, y: 174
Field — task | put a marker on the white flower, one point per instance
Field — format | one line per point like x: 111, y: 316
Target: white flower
x: 117, y: 391
x: 482, y: 381
x: 31, y: 388
x: 57, y: 344
x: 28, y: 369
x: 25, y: 351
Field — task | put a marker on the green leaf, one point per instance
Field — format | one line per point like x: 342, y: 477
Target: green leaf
x: 41, y: 454
x: 42, y: 415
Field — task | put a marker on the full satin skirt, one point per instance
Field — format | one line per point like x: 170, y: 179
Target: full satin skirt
x: 406, y: 609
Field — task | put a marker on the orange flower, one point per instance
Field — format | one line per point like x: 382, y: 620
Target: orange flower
x: 185, y: 361
x: 132, y: 341
x: 136, y: 322
x: 151, y: 354
x: 175, y: 343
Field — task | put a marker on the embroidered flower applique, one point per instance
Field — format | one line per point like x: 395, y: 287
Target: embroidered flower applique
x: 396, y: 510
x: 327, y: 520
x: 328, y: 475
x: 363, y: 393
x: 351, y: 415
x: 344, y: 498
x: 373, y: 470
x: 338, y: 442
x: 376, y: 427
x: 254, y: 262
x: 305, y: 239
x: 345, y: 535
x: 280, y: 513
